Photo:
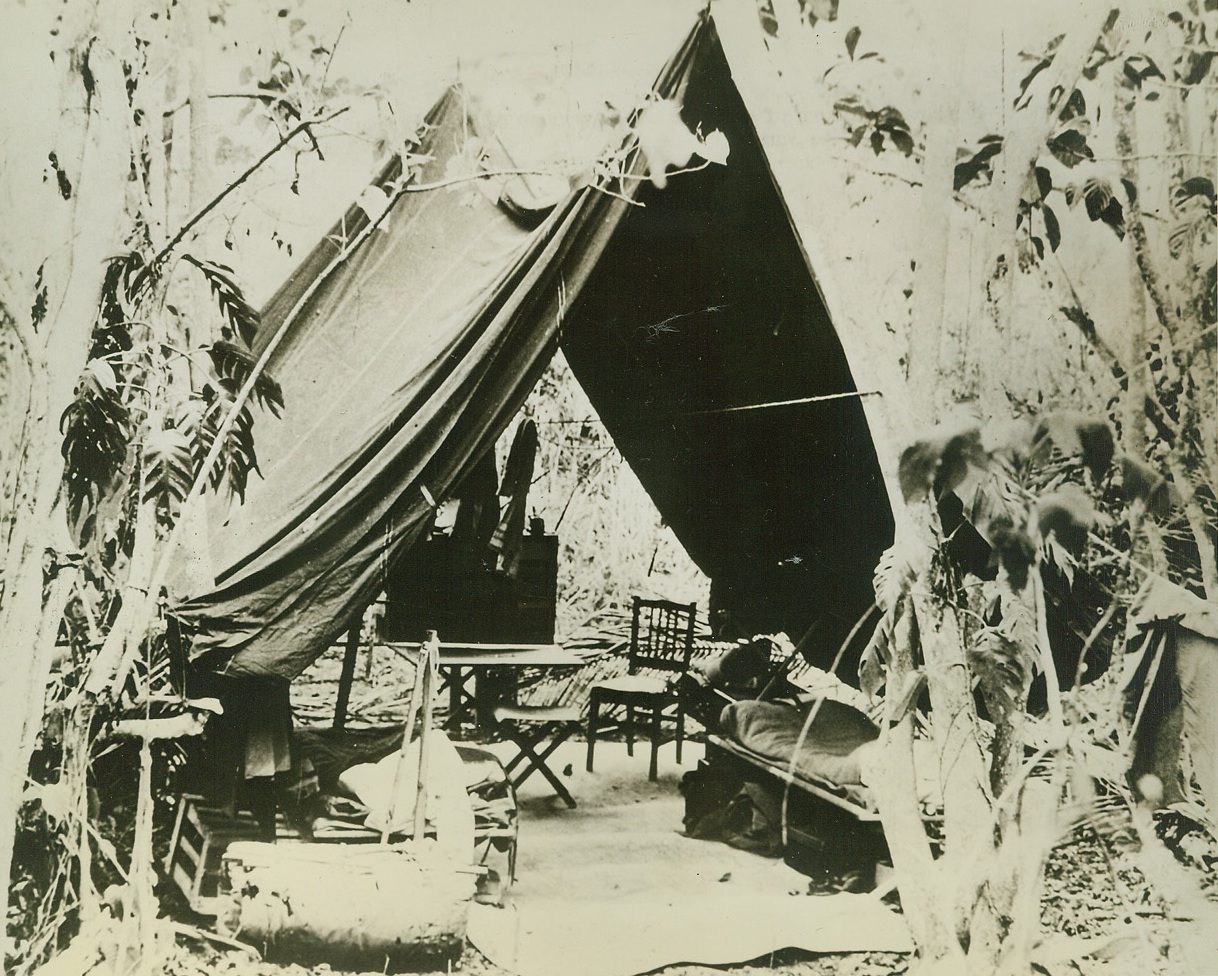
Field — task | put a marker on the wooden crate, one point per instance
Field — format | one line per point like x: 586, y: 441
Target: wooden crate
x: 201, y: 835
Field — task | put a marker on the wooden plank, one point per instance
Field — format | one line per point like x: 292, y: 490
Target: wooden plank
x: 469, y: 655
x: 416, y: 702
x: 191, y: 853
x: 185, y: 882
x: 183, y: 802
x: 431, y: 649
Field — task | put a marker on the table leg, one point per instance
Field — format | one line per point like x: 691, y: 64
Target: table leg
x: 456, y: 678
x: 492, y: 687
x: 485, y: 698
x: 455, y: 705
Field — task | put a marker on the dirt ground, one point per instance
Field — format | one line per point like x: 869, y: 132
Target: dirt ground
x: 1093, y: 889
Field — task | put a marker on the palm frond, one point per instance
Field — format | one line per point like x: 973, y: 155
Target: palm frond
x: 168, y: 470
x: 96, y: 431
x: 233, y: 365
x: 238, y: 312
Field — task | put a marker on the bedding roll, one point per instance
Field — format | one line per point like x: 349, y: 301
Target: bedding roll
x: 828, y: 752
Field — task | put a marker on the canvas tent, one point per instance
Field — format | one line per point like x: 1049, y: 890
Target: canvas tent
x: 410, y: 336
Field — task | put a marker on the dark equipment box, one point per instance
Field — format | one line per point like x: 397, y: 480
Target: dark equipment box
x: 457, y: 592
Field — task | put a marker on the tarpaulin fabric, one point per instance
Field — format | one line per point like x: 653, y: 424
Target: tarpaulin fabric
x: 412, y: 334
x: 704, y: 303
x: 1161, y: 600
x: 405, y: 359
x: 1180, y: 658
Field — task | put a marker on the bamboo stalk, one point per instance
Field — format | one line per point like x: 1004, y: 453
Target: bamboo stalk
x: 142, y: 874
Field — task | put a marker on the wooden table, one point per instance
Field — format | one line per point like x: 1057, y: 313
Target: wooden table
x: 459, y: 662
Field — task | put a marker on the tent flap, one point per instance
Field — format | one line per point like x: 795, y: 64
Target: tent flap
x: 705, y: 346
x: 401, y: 364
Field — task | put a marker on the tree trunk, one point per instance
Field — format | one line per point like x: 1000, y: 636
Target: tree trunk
x: 892, y: 776
x: 93, y: 153
x: 967, y: 816
x: 933, y: 279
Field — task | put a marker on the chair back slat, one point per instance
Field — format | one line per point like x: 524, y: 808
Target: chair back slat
x: 661, y: 635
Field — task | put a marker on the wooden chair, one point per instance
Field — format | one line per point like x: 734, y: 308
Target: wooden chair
x: 661, y: 640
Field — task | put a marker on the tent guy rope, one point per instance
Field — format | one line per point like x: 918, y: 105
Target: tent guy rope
x: 782, y: 403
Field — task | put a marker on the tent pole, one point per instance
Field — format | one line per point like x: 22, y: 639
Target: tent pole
x: 347, y: 678
x: 412, y: 709
x: 428, y: 661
